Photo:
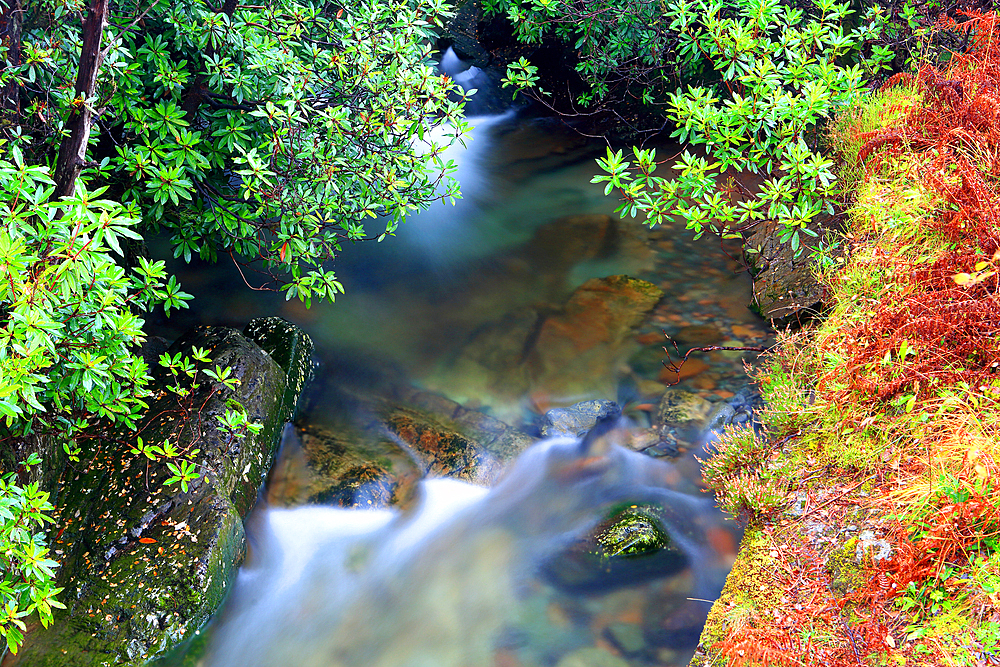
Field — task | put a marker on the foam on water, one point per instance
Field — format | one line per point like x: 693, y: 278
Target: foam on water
x: 450, y: 581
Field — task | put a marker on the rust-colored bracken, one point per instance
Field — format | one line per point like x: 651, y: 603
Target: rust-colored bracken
x: 953, y: 138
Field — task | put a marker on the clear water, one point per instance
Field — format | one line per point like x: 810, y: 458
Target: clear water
x: 458, y: 581
x: 415, y: 300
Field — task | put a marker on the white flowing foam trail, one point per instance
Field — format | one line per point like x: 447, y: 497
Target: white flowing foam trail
x: 436, y: 586
x: 467, y: 76
x: 443, y: 233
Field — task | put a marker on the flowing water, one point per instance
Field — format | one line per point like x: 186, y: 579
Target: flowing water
x: 460, y: 581
x: 469, y: 576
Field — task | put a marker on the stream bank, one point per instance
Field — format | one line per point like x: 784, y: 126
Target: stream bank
x: 870, y: 498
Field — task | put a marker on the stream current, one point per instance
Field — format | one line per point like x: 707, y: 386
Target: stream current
x: 462, y: 577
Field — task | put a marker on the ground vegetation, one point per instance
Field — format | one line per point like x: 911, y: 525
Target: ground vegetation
x: 872, y: 495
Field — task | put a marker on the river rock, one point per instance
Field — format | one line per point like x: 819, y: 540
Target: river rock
x: 386, y: 436
x: 737, y: 411
x: 785, y: 288
x: 343, y: 466
x: 554, y: 354
x: 144, y: 564
x: 578, y: 350
x: 629, y: 547
x: 680, y: 419
x: 576, y: 420
x: 442, y: 450
x: 679, y: 408
x: 501, y: 440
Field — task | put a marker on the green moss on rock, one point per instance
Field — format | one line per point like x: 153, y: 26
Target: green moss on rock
x: 145, y: 565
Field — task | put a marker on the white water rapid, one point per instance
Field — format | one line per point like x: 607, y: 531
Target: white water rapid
x: 456, y: 581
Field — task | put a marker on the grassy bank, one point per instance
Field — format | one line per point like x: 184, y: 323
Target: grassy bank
x: 873, y: 498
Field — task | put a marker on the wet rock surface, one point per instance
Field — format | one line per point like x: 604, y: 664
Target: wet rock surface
x: 785, y: 288
x: 738, y: 412
x: 144, y: 564
x: 576, y: 420
x: 679, y: 422
x: 382, y: 440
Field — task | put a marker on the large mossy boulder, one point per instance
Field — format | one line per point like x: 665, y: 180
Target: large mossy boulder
x: 144, y: 564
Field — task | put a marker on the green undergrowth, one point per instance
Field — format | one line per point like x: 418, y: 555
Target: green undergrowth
x: 841, y: 454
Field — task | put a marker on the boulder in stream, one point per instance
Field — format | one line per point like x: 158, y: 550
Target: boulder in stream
x: 628, y: 547
x: 383, y: 440
x: 576, y: 420
x: 575, y: 350
x: 146, y: 564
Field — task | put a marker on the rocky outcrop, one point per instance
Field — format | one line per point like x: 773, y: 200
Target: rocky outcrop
x: 145, y: 564
x: 785, y: 288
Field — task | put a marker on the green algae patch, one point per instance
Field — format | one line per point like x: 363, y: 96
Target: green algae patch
x: 630, y: 546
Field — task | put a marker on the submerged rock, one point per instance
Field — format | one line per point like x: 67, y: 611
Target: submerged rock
x: 574, y: 350
x: 681, y: 410
x: 145, y: 564
x: 577, y: 419
x: 629, y: 547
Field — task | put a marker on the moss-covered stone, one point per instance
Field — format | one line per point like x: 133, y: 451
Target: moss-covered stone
x: 630, y: 546
x: 145, y: 565
x: 845, y: 571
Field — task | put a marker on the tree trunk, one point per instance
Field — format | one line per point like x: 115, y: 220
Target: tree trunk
x: 11, y: 17
x: 73, y: 149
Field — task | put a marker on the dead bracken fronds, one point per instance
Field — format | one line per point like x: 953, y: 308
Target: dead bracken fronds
x: 947, y: 329
x: 873, y: 497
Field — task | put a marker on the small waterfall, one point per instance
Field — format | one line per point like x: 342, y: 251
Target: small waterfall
x: 468, y: 76
x: 456, y: 578
x: 490, y: 97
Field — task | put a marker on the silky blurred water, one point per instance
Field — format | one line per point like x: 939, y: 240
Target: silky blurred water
x: 459, y: 580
